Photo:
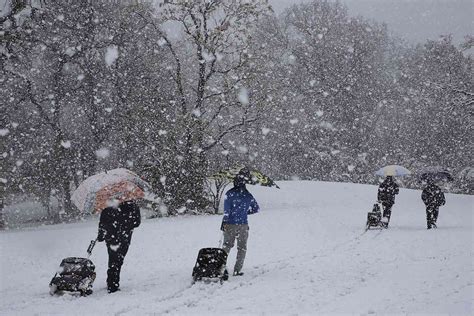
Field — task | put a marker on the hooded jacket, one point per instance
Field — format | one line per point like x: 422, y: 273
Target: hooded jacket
x: 238, y: 203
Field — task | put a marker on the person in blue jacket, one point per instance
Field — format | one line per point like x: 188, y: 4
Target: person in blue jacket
x: 238, y: 203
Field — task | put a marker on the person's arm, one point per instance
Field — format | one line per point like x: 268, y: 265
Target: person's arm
x: 137, y: 217
x: 396, y: 189
x: 424, y: 196
x: 443, y: 199
x: 103, y: 225
x: 254, y: 208
x: 380, y: 193
x: 227, y: 207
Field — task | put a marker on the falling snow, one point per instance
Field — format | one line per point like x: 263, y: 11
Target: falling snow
x: 111, y: 55
x: 102, y: 153
x: 66, y: 143
x: 311, y: 94
x: 243, y: 96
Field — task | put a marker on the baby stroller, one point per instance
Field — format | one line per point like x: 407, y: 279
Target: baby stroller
x: 374, y: 218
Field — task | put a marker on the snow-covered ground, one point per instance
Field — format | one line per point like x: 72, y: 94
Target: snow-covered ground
x: 307, y: 254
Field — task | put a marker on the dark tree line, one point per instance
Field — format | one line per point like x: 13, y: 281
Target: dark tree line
x: 177, y: 92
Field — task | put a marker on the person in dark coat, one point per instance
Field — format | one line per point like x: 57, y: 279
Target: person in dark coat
x: 115, y: 228
x: 238, y: 204
x: 433, y: 198
x: 386, y: 195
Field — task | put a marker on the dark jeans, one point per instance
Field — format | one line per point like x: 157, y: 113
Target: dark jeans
x: 117, y: 251
x: 432, y: 212
x: 387, y: 211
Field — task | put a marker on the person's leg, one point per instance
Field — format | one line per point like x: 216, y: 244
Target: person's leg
x: 229, y: 237
x: 428, y: 217
x: 116, y: 256
x: 435, y: 215
x: 113, y: 271
x: 242, y: 237
x: 387, y: 212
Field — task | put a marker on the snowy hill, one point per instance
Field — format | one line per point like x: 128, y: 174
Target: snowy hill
x: 307, y: 254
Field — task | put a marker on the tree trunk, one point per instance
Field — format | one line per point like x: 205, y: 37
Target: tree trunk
x: 3, y: 223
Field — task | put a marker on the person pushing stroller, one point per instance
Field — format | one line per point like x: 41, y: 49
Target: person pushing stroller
x: 386, y: 196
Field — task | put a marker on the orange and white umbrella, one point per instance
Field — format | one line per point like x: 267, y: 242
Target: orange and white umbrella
x: 106, y: 188
x: 113, y: 194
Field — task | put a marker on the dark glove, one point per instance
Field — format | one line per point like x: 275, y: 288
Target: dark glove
x: 223, y: 226
x: 100, y: 236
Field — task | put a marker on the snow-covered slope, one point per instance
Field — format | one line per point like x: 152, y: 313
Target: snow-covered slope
x: 307, y: 254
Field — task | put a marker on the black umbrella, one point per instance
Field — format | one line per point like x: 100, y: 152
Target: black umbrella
x: 436, y: 176
x: 254, y: 177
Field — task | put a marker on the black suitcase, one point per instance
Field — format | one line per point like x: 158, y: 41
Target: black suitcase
x: 75, y: 275
x: 210, y: 265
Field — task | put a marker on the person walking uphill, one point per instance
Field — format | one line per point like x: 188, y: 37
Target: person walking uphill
x: 386, y: 195
x: 115, y: 228
x: 238, y: 204
x: 433, y: 198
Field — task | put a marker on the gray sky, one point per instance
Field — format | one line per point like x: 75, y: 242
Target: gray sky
x: 414, y: 20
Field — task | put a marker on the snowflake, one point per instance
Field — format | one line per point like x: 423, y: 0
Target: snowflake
x: 111, y: 55
x: 66, y: 143
x: 102, y: 153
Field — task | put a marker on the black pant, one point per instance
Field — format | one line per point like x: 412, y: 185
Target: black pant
x: 387, y: 211
x: 432, y: 212
x: 117, y: 250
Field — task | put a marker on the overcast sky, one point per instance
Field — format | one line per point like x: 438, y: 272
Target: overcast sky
x: 414, y: 20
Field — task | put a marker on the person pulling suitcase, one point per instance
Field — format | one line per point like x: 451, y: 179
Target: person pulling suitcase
x: 238, y: 204
x: 116, y: 226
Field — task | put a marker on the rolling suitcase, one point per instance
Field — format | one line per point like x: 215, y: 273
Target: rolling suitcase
x: 75, y: 275
x: 210, y: 265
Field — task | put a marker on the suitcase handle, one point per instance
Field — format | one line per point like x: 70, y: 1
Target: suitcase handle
x: 91, y: 246
x: 221, y: 240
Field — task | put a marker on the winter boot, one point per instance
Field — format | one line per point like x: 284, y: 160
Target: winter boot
x: 225, y: 275
x: 111, y: 290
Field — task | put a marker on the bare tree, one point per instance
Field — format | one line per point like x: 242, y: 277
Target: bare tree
x: 208, y: 54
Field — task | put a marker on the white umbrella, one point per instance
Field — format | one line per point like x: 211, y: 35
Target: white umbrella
x: 393, y: 170
x: 84, y: 197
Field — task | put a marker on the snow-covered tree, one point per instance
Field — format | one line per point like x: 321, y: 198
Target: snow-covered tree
x: 210, y: 101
